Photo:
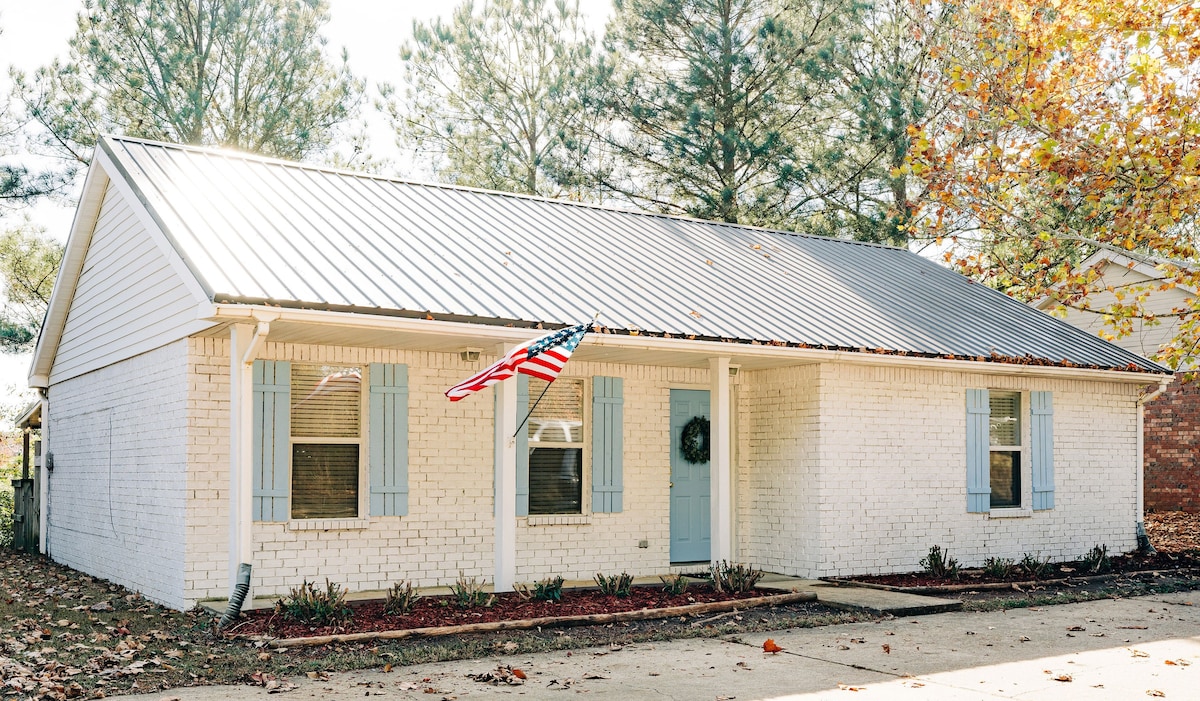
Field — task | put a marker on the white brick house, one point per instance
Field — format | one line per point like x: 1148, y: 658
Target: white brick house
x: 244, y: 361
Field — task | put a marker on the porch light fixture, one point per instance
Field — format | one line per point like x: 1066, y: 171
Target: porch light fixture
x: 734, y: 370
x: 469, y: 355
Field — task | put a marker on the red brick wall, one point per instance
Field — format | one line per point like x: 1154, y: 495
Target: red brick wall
x: 1172, y: 449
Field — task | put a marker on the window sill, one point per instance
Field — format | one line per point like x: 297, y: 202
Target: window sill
x: 328, y: 524
x: 1013, y: 512
x: 559, y: 520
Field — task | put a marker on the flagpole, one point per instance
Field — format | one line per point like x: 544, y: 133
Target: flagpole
x: 530, y: 413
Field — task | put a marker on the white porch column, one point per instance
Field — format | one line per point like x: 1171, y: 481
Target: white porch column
x: 720, y: 461
x: 506, y: 484
x: 241, y: 484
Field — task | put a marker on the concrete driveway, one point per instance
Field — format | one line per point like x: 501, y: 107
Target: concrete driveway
x: 1112, y: 649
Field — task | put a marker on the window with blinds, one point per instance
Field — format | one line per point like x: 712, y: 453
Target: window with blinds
x: 556, y: 447
x: 326, y: 413
x: 1004, y: 429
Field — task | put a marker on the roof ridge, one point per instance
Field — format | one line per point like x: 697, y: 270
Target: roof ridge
x: 272, y: 160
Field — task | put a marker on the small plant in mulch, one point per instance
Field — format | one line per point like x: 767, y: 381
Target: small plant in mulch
x: 1096, y: 560
x: 549, y: 589
x: 734, y: 577
x: 1036, y: 567
x: 469, y: 593
x: 939, y: 564
x: 400, y: 599
x: 308, y: 604
x: 674, y: 584
x: 615, y: 585
x: 999, y: 567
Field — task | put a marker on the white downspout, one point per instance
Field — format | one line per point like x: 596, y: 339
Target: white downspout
x: 1143, y: 541
x: 245, y: 342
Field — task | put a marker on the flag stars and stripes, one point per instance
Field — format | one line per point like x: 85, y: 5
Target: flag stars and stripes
x: 543, y: 357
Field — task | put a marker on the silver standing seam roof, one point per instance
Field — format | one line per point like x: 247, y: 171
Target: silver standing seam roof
x: 256, y: 230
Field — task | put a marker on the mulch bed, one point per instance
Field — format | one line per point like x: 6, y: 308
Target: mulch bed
x: 1121, y: 565
x: 437, y: 611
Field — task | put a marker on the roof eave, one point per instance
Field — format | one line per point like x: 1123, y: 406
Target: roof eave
x: 506, y: 331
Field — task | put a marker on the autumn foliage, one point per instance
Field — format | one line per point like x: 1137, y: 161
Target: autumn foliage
x: 1070, y: 127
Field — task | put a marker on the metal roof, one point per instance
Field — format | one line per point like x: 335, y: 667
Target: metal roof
x: 254, y: 230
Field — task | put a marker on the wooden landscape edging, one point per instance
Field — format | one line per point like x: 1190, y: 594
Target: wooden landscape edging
x: 955, y: 588
x: 547, y: 622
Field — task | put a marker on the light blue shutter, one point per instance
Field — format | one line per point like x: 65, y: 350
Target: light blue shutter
x: 608, y: 443
x: 522, y: 442
x: 271, y: 438
x: 388, y: 436
x: 979, y: 484
x: 1042, y: 449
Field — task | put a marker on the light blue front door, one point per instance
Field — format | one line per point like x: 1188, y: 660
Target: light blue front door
x: 691, y: 536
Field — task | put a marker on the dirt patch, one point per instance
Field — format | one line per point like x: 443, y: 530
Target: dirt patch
x: 438, y: 611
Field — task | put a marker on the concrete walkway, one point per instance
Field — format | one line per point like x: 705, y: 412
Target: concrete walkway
x: 1110, y: 649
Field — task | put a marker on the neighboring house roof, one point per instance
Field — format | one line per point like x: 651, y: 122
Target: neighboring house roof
x: 254, y: 230
x: 1116, y: 270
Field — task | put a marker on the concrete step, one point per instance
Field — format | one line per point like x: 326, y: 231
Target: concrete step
x: 861, y: 598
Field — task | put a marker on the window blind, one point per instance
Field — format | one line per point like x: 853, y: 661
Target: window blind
x: 326, y: 401
x: 558, y: 417
x: 1004, y: 426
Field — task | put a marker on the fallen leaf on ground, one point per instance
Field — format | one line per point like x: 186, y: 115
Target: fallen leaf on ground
x: 1076, y: 628
x: 1132, y: 627
x: 847, y: 687
x: 319, y: 676
x: 502, y: 674
x: 771, y: 647
x: 887, y: 649
x: 1063, y: 678
x: 1155, y: 692
x: 1138, y: 653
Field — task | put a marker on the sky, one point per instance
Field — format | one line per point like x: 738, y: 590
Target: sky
x: 36, y: 31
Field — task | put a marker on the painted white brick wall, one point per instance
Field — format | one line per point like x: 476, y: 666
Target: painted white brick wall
x: 450, y: 523
x: 117, y: 492
x: 893, y: 482
x: 840, y: 469
x: 778, y: 477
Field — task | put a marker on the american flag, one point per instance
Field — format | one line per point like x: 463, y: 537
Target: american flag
x: 543, y: 358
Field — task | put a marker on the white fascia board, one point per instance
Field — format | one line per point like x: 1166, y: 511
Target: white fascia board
x: 225, y: 312
x: 139, y: 204
x: 63, y: 293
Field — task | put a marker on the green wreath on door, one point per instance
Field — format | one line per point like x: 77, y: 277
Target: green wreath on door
x: 695, y: 441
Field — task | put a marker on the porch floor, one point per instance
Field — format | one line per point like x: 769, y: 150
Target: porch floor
x: 843, y: 597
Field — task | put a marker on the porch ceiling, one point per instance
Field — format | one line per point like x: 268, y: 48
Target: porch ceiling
x: 599, y: 348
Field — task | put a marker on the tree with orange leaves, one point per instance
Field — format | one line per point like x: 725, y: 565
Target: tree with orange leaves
x: 1073, y: 126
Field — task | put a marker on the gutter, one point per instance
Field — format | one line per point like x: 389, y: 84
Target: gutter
x: 1147, y: 395
x: 468, y: 333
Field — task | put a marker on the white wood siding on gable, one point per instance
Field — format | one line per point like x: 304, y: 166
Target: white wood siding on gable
x: 129, y: 298
x: 1146, y: 339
